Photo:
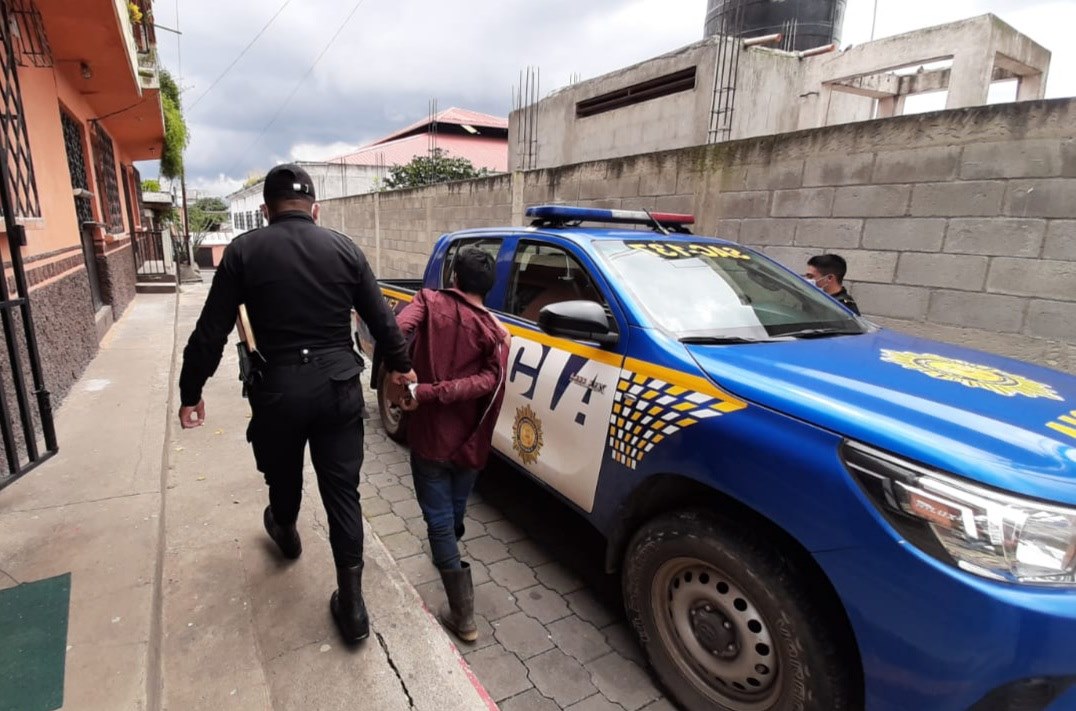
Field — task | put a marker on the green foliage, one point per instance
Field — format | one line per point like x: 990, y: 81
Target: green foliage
x: 151, y: 186
x: 205, y: 215
x: 253, y: 179
x: 428, y: 170
x: 176, y: 135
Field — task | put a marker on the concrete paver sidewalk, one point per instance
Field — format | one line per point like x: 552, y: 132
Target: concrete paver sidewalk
x: 178, y: 598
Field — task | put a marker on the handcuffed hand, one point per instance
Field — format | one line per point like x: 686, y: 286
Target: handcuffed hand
x: 408, y: 403
x: 191, y: 416
x: 403, y: 379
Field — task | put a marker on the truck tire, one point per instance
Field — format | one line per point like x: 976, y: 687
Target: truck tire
x: 393, y: 419
x: 729, y: 624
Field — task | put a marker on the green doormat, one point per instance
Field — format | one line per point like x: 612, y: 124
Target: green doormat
x: 33, y: 644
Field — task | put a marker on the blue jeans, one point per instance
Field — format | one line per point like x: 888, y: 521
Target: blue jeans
x: 442, y: 490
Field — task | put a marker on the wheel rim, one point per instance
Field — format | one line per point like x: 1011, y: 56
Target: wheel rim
x: 717, y: 637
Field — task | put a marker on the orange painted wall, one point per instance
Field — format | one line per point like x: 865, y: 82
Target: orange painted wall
x: 43, y: 92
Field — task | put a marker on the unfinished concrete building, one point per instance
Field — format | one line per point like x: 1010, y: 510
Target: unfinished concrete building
x: 730, y: 87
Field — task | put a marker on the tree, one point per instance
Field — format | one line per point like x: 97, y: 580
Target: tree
x: 151, y: 186
x: 176, y: 135
x: 428, y: 170
x: 206, y: 215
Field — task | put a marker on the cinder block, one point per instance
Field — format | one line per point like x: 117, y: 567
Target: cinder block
x: 1012, y: 159
x: 1060, y: 240
x: 767, y: 231
x: 892, y: 301
x: 917, y: 165
x: 872, y: 201
x: 944, y: 270
x: 785, y: 175
x: 745, y: 204
x: 1040, y: 278
x: 905, y: 234
x: 872, y: 266
x: 973, y: 198
x: 806, y: 202
x: 972, y: 309
x: 824, y: 232
x: 676, y: 203
x: 1042, y: 198
x: 660, y: 181
x: 726, y: 229
x: 1051, y: 319
x: 794, y: 258
x: 997, y: 236
x: 838, y: 170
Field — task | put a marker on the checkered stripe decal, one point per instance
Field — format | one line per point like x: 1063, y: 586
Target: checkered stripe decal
x: 647, y: 410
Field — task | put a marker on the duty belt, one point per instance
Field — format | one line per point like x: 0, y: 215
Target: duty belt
x: 302, y: 356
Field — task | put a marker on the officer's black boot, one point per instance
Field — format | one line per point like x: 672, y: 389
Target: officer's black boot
x: 458, y: 613
x: 347, y: 606
x: 286, y: 537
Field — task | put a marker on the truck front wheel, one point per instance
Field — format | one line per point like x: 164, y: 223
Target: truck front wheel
x: 393, y: 419
x: 730, y: 624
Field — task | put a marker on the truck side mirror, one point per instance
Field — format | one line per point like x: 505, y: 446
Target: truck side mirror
x: 579, y: 320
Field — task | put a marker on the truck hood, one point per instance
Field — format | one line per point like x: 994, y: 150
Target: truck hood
x: 970, y: 413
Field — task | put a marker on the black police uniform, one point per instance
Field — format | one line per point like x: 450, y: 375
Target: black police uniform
x: 845, y: 298
x: 299, y: 283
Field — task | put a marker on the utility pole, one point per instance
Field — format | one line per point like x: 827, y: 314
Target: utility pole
x: 874, y: 22
x: 186, y: 219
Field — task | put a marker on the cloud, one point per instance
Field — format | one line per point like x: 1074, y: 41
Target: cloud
x: 392, y: 58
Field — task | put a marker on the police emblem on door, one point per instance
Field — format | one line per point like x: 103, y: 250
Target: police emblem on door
x: 527, y: 435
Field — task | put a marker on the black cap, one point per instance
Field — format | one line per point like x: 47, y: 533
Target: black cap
x: 287, y: 181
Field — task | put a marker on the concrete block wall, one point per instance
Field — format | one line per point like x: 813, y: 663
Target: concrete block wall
x: 964, y: 218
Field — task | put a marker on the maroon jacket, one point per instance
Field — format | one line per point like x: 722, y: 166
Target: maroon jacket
x: 460, y: 355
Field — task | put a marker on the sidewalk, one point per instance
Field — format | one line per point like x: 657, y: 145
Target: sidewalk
x: 177, y: 599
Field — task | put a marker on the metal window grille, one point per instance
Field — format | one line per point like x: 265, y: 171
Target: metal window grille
x: 20, y: 165
x: 104, y: 163
x: 76, y: 165
x: 31, y: 44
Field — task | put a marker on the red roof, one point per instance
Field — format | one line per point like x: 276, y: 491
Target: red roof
x: 458, y: 116
x: 483, y: 152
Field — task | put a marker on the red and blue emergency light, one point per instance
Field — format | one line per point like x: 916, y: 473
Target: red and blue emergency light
x: 559, y: 214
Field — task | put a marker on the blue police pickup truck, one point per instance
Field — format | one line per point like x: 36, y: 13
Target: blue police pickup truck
x: 807, y: 511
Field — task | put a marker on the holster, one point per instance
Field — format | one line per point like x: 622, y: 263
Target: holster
x: 250, y: 367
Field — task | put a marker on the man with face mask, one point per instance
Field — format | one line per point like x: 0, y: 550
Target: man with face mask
x: 299, y: 283
x: 826, y: 271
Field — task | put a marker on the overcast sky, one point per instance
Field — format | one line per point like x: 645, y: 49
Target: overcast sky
x: 393, y: 57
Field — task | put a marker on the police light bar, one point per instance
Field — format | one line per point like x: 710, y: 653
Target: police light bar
x: 568, y: 213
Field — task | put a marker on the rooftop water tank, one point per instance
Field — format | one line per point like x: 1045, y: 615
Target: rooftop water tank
x: 815, y: 22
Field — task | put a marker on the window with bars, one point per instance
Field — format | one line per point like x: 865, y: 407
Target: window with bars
x: 104, y: 164
x: 20, y: 164
x: 30, y: 43
x: 75, y: 147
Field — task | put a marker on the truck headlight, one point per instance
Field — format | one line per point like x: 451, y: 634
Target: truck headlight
x: 980, y: 530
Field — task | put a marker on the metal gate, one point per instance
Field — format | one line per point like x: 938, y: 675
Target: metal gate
x: 24, y: 406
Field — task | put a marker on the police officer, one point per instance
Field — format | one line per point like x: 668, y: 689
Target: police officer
x: 299, y: 283
x: 827, y: 272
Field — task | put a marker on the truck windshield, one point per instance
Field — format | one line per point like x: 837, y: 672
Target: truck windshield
x: 703, y: 291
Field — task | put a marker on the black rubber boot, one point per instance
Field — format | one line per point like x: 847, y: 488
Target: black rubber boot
x: 347, y: 606
x: 458, y: 613
x: 285, y: 537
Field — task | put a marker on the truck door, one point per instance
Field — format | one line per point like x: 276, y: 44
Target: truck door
x: 559, y: 393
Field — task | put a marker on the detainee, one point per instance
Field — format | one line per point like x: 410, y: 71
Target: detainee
x: 460, y: 356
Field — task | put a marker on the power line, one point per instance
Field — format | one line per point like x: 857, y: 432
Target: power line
x: 300, y: 83
x: 241, y: 54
